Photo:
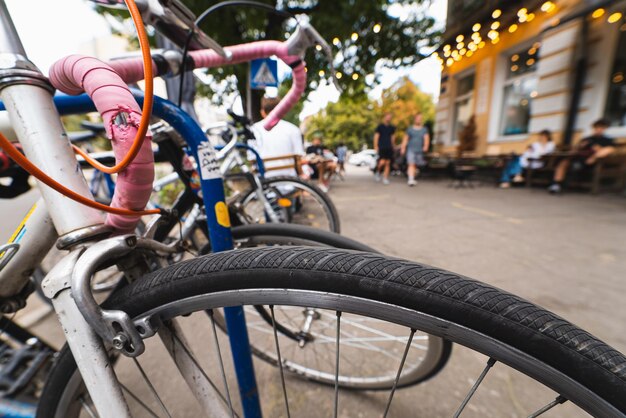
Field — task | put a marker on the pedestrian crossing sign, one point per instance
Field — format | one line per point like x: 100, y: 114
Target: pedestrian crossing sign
x: 263, y: 73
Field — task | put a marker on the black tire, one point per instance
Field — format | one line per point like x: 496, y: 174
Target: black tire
x: 320, y: 196
x: 544, y: 346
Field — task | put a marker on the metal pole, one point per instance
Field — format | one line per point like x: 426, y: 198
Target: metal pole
x: 249, y: 93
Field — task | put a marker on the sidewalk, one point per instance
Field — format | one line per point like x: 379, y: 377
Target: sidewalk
x: 566, y: 253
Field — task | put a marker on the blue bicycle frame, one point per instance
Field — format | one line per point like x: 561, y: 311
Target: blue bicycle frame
x: 217, y: 220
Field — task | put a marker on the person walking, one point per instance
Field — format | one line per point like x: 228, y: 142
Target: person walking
x: 415, y: 143
x: 341, y: 152
x: 384, y: 145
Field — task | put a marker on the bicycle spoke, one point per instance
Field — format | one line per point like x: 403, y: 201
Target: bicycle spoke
x: 87, y: 408
x: 219, y: 356
x: 490, y: 364
x: 151, y: 386
x: 280, y: 362
x: 337, y: 364
x: 139, y: 401
x: 558, y: 401
x: 395, y: 383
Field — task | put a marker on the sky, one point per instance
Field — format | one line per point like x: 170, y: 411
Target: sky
x: 63, y: 27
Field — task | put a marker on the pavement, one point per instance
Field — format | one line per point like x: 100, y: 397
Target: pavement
x: 566, y: 253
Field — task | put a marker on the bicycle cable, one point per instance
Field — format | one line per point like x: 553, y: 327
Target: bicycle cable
x: 203, y: 16
x: 33, y: 170
x: 146, y: 111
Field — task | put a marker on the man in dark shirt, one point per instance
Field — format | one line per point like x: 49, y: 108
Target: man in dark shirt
x: 384, y: 146
x: 587, y: 152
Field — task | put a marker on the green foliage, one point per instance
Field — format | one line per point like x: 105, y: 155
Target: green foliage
x: 404, y: 100
x: 366, y: 35
x: 353, y: 119
x: 350, y: 121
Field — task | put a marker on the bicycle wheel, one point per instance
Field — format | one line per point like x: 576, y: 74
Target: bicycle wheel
x: 503, y: 327
x: 293, y: 201
x: 299, y: 324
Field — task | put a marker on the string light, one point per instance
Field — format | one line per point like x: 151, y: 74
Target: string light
x: 470, y: 53
x: 495, y: 41
x: 318, y: 47
x: 548, y: 7
x: 460, y: 45
x: 492, y: 34
x: 446, y: 53
x: 336, y: 41
x: 530, y: 17
x: 354, y: 37
x: 598, y: 13
x: 446, y: 48
x: 513, y: 28
x: 377, y: 28
x: 449, y: 62
x: 495, y: 25
x: 355, y: 76
x: 476, y: 27
x: 496, y: 13
x: 338, y: 75
x: 463, y: 52
x: 460, y: 38
x: 522, y: 12
x: 515, y: 58
x: 615, y: 17
x: 321, y: 73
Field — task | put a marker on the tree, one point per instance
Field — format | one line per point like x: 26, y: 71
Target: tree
x: 351, y: 121
x: 363, y: 33
x: 404, y: 100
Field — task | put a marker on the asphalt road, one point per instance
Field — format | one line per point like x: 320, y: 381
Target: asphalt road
x: 565, y: 253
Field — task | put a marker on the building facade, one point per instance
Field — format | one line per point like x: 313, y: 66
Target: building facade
x: 519, y: 67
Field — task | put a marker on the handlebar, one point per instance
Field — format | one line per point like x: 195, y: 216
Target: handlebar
x: 131, y: 69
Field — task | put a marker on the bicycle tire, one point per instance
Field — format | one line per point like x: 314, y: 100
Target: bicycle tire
x: 252, y: 236
x: 334, y: 223
x: 505, y: 327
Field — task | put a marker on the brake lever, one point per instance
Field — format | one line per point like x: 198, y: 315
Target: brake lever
x: 305, y: 37
x: 173, y: 19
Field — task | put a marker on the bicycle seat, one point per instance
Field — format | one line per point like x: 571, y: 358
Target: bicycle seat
x: 81, y: 136
x: 95, y: 127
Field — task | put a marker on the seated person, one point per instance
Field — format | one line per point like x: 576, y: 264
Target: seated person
x: 587, y: 153
x: 530, y: 158
x: 284, y: 139
x: 323, y: 167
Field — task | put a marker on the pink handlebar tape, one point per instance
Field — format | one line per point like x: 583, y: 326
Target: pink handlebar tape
x: 131, y: 69
x: 121, y: 113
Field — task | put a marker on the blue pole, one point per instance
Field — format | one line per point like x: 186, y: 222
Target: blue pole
x: 218, y: 224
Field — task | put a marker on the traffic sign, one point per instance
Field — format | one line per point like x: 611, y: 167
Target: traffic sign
x: 263, y: 73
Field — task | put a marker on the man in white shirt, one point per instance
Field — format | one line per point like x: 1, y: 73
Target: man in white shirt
x: 284, y: 139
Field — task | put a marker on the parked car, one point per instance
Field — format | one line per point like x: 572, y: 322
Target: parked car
x: 364, y: 158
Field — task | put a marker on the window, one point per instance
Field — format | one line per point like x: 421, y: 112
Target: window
x: 463, y: 104
x: 616, y: 101
x: 520, y: 87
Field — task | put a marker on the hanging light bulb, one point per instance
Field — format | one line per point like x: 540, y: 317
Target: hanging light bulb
x: 615, y: 17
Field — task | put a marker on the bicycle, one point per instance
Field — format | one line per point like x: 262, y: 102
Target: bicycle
x: 506, y: 328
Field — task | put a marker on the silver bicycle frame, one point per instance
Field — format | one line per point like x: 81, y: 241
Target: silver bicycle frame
x: 28, y: 98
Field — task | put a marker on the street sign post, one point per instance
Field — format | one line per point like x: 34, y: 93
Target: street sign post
x: 263, y: 73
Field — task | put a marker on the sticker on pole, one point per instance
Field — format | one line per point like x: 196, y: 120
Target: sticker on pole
x: 207, y: 159
x: 263, y: 73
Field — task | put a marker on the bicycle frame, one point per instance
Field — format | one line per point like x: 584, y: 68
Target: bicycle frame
x: 29, y: 102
